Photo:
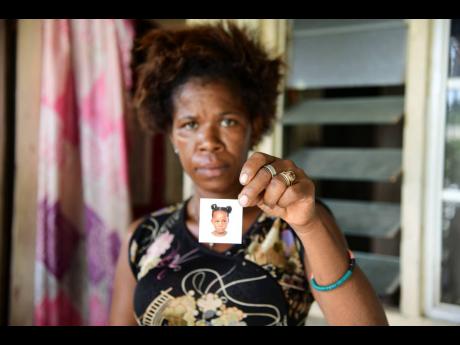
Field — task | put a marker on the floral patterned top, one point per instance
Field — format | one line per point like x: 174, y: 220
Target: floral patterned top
x: 182, y: 282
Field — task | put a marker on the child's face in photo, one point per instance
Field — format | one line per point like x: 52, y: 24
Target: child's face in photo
x: 220, y: 221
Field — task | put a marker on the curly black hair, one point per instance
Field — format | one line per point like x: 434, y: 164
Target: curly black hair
x: 210, y: 52
x: 227, y: 209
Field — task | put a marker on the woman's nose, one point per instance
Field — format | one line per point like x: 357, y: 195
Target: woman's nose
x: 209, y: 139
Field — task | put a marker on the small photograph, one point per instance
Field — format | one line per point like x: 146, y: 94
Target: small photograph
x: 221, y: 221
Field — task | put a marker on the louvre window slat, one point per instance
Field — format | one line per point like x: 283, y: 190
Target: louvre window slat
x: 381, y: 270
x: 366, y: 219
x: 354, y: 111
x: 363, y: 164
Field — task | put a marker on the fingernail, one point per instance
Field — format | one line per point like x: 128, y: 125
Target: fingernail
x: 243, y: 200
x: 243, y: 178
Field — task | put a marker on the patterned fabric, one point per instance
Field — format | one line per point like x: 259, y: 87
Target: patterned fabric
x: 83, y: 185
x: 182, y: 282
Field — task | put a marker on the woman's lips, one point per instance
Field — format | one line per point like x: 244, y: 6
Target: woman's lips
x: 211, y: 171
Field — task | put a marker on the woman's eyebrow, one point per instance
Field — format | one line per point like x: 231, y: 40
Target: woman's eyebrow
x: 186, y: 117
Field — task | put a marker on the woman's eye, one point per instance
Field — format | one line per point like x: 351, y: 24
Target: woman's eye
x: 190, y: 125
x: 228, y: 122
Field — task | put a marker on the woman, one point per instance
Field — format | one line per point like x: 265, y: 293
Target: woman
x: 213, y: 89
x: 219, y: 219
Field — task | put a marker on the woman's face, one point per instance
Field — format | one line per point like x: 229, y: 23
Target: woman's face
x: 212, y: 132
x: 220, y: 221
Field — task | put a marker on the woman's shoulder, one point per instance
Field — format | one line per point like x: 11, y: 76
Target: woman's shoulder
x: 146, y: 230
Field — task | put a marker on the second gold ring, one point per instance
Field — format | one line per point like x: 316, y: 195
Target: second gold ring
x: 288, y: 176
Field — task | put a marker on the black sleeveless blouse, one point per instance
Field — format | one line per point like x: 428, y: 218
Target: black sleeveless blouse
x: 182, y: 282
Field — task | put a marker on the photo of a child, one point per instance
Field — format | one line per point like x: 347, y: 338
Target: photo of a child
x: 220, y: 218
x: 221, y: 221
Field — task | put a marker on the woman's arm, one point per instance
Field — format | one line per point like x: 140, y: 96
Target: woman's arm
x: 122, y: 309
x: 290, y: 195
x: 354, y: 302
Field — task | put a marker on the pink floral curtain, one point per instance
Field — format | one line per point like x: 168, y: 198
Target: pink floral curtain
x: 83, y: 174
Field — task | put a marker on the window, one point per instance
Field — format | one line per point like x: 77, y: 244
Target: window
x: 343, y: 125
x: 443, y: 176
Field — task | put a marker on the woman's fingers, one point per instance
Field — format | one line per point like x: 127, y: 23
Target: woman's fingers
x: 274, y: 190
x: 277, y: 188
x: 301, y: 190
x: 249, y: 195
x: 260, y: 185
x: 290, y: 198
x: 252, y: 166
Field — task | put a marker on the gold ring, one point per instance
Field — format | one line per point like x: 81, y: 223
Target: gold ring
x: 288, y: 176
x: 270, y: 169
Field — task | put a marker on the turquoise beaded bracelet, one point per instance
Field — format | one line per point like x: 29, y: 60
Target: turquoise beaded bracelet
x: 339, y: 282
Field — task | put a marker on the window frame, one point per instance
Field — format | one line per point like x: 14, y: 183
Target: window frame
x: 436, y: 194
